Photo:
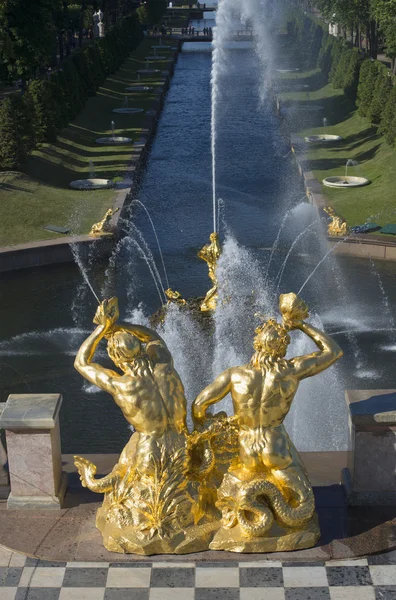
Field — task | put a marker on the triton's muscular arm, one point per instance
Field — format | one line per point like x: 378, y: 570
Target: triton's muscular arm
x: 312, y: 364
x: 95, y: 373
x: 213, y: 393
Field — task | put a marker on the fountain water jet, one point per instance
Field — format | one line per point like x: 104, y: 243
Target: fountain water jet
x: 156, y: 238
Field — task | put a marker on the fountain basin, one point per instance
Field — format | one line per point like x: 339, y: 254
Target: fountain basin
x: 345, y: 181
x: 113, y: 140
x: 148, y: 71
x: 311, y: 107
x: 323, y: 138
x: 155, y: 57
x: 127, y: 111
x: 91, y: 184
x: 287, y: 70
x: 139, y: 88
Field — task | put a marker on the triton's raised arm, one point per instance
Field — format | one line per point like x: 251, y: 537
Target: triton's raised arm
x: 106, y: 315
x: 316, y: 362
x: 294, y: 311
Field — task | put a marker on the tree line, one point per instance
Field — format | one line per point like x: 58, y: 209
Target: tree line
x: 38, y: 34
x: 369, y: 24
x: 49, y: 104
x: 367, y: 82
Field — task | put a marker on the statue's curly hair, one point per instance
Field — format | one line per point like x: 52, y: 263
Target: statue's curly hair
x: 270, y: 338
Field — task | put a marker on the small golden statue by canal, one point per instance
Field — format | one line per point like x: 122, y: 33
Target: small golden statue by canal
x: 210, y: 253
x: 338, y: 225
x: 235, y: 483
x: 103, y: 226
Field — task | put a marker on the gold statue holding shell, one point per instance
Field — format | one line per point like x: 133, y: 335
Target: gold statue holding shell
x: 234, y: 483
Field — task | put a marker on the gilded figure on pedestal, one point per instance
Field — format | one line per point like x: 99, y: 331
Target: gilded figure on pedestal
x: 235, y: 483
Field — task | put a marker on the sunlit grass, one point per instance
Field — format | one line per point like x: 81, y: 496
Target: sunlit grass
x: 361, y: 142
x: 40, y: 195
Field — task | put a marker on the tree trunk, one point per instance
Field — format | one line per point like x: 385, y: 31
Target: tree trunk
x: 81, y: 23
x: 373, y: 40
x: 60, y: 46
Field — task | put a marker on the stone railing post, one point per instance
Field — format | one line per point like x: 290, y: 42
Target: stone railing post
x: 370, y: 478
x: 31, y: 422
x: 4, y: 479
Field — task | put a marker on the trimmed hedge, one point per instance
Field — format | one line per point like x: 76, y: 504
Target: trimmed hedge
x: 45, y: 115
x: 16, y: 131
x: 48, y: 105
x: 365, y: 81
x: 365, y: 91
x: 388, y: 121
x: 382, y: 91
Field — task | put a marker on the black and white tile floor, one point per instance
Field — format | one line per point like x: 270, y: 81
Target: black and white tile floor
x: 365, y: 579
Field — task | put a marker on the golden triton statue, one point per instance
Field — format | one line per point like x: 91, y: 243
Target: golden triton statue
x: 102, y: 227
x: 210, y: 253
x: 266, y: 497
x: 337, y: 226
x: 234, y: 483
x: 156, y: 497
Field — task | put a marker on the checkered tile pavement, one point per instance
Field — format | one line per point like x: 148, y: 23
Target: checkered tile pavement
x: 30, y: 579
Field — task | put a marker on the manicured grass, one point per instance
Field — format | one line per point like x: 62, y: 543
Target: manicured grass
x: 40, y: 195
x: 361, y: 143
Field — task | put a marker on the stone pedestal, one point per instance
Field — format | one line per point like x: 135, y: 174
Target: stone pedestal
x: 31, y: 422
x: 370, y: 478
x: 4, y: 479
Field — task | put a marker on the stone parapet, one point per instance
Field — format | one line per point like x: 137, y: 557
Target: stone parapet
x: 4, y: 479
x: 370, y: 478
x: 31, y: 422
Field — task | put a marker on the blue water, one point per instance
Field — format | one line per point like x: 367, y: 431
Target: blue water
x: 47, y: 312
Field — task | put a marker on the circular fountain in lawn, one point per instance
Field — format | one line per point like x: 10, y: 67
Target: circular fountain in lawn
x: 287, y: 70
x: 323, y: 138
x: 310, y: 108
x: 115, y: 140
x: 345, y: 181
x: 91, y: 184
x: 139, y: 88
x: 125, y: 110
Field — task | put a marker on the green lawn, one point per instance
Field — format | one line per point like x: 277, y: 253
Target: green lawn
x: 40, y: 195
x: 361, y: 143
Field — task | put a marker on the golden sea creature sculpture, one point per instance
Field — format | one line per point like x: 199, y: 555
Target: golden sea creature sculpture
x: 235, y: 483
x: 337, y: 226
x: 174, y: 296
x: 160, y: 496
x: 102, y: 227
x: 210, y: 253
x: 266, y: 498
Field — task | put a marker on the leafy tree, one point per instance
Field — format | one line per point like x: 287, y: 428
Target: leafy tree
x: 61, y: 98
x: 45, y: 116
x: 339, y: 61
x: 385, y: 13
x: 381, y: 93
x: 365, y: 91
x: 16, y: 133
x: 325, y: 54
x: 351, y: 77
x: 388, y: 121
x: 26, y: 35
